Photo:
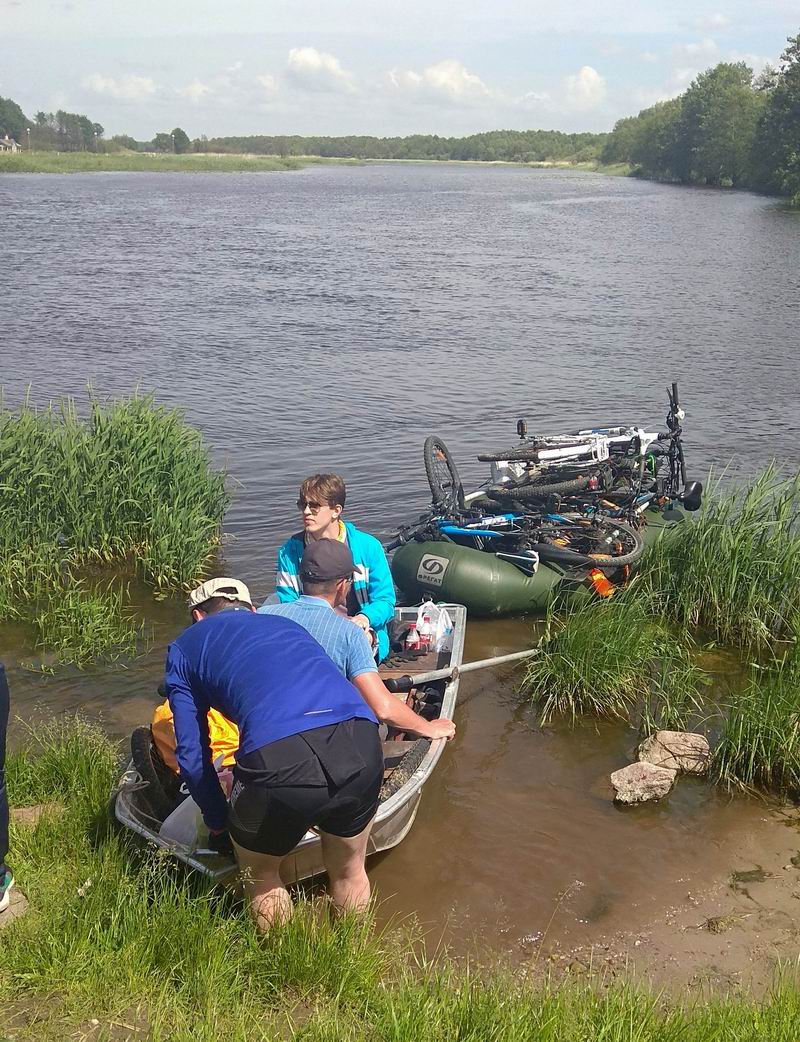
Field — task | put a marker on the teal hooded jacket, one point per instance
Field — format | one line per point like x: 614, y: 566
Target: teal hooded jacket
x: 372, y: 580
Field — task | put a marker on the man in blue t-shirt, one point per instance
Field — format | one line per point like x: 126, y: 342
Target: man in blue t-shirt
x: 309, y: 752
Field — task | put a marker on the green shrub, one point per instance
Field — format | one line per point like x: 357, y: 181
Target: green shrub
x: 613, y: 658
x: 734, y: 571
x: 129, y: 488
x: 759, y: 746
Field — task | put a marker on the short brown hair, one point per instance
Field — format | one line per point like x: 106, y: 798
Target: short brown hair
x: 327, y: 488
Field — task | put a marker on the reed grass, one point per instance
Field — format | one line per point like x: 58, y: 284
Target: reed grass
x: 123, y: 936
x: 734, y: 570
x: 130, y: 486
x: 613, y: 658
x: 759, y: 747
x: 78, y: 626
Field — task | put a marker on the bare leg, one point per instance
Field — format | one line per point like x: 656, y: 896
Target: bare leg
x: 347, y: 876
x: 269, y: 899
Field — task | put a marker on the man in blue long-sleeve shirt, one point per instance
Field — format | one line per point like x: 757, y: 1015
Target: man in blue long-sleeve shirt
x: 309, y: 751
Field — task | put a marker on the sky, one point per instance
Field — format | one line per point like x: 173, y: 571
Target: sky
x: 381, y: 67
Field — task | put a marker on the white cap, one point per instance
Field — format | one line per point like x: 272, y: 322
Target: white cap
x: 231, y: 589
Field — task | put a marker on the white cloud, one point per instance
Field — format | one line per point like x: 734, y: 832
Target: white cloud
x: 586, y: 89
x: 235, y: 67
x: 713, y: 21
x: 126, y: 88
x: 315, y: 70
x: 757, y: 62
x: 649, y: 56
x: 699, y: 51
x: 195, y: 91
x: 268, y: 83
x: 446, y: 80
x: 532, y: 97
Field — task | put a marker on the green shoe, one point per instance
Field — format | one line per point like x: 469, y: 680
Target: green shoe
x: 6, y: 882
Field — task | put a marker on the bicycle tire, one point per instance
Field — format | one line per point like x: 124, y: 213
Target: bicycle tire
x: 541, y: 489
x: 524, y: 454
x: 405, y: 768
x: 163, y: 789
x: 610, y: 560
x: 445, y: 484
x: 568, y: 557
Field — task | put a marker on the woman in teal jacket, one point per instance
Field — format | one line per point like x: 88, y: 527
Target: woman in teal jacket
x: 372, y: 599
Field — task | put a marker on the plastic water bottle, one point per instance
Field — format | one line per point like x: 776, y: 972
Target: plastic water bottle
x: 425, y: 632
x: 412, y: 638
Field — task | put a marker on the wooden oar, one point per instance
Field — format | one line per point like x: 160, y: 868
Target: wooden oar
x: 402, y: 683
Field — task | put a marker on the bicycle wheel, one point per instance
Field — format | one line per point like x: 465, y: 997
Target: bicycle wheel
x: 440, y: 467
x: 631, y: 541
x: 541, y: 489
x: 583, y: 547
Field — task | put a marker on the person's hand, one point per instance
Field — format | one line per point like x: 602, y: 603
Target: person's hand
x: 361, y: 621
x: 220, y: 842
x: 441, y: 728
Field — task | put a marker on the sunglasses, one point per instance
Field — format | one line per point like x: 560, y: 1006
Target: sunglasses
x: 312, y: 506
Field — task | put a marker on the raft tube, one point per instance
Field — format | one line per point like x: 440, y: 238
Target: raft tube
x: 489, y: 586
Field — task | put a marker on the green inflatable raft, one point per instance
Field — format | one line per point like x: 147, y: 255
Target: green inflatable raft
x: 488, y: 586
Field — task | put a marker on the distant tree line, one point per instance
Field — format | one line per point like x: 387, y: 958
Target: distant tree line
x: 517, y: 146
x: 72, y: 132
x: 727, y: 128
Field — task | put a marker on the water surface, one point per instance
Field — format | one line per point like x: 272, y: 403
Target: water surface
x: 331, y: 319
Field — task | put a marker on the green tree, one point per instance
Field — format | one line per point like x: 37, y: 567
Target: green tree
x: 13, y: 121
x: 718, y: 124
x: 162, y: 143
x: 777, y: 139
x: 181, y: 141
x: 124, y: 141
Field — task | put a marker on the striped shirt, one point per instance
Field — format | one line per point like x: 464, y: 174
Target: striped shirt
x: 344, y: 642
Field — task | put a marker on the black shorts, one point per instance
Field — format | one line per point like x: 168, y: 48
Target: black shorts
x: 329, y: 777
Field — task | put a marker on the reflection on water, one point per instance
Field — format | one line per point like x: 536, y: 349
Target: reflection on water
x: 331, y: 319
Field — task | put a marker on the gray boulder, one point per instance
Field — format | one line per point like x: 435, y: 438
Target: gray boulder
x: 678, y: 750
x: 640, y: 782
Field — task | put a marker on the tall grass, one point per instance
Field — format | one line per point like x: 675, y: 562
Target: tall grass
x: 759, y: 746
x: 78, y: 625
x: 130, y: 485
x: 120, y: 935
x: 613, y: 658
x: 90, y: 162
x: 734, y: 571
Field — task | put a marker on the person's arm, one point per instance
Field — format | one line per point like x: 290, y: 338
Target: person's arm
x: 193, y: 749
x: 287, y: 580
x: 391, y: 710
x: 379, y: 609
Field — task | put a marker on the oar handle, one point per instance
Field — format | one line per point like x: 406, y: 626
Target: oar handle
x: 407, y: 682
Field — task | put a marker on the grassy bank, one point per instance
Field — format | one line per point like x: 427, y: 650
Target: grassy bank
x: 734, y: 571
x: 730, y: 577
x: 616, y: 659
x: 91, y: 162
x: 127, y: 491
x: 120, y: 936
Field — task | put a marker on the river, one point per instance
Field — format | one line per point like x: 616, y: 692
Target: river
x: 331, y: 319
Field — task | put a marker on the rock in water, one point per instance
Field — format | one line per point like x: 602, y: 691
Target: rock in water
x: 678, y: 750
x: 640, y: 782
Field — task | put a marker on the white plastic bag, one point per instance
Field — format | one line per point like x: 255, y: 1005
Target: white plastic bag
x: 435, y: 625
x: 185, y: 825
